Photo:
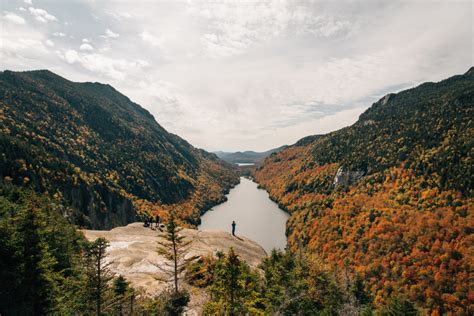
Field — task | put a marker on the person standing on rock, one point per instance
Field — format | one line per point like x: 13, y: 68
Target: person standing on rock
x: 157, y: 220
x: 150, y: 221
x: 233, y: 228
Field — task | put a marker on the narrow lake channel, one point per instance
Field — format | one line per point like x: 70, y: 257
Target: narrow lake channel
x: 257, y: 217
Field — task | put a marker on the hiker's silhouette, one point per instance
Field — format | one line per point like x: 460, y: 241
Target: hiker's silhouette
x: 233, y: 228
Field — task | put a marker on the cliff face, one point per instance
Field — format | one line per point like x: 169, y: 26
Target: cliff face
x: 103, y: 155
x: 391, y: 196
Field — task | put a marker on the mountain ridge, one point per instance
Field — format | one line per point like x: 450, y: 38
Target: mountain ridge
x: 248, y: 156
x: 391, y: 196
x: 100, y: 152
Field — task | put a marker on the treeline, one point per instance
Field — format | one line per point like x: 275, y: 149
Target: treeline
x: 286, y: 284
x: 48, y: 267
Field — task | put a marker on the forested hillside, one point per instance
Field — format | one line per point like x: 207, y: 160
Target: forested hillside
x: 105, y: 157
x: 390, y: 197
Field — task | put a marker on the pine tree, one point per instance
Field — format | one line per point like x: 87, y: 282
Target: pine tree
x: 232, y: 284
x: 122, y: 292
x: 37, y: 266
x: 399, y: 306
x: 234, y: 289
x: 99, y: 275
x: 173, y: 248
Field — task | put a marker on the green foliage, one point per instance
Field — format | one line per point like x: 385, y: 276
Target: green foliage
x: 120, y: 286
x: 234, y: 287
x: 199, y: 272
x: 398, y: 306
x: 38, y: 252
x: 47, y: 267
x: 284, y: 284
x: 175, y: 302
x: 169, y: 303
x: 173, y: 248
x: 98, y: 274
x: 297, y: 282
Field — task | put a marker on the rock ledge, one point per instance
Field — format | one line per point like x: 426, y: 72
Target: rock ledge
x: 133, y: 254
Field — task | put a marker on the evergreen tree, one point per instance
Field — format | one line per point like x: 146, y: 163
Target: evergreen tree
x: 173, y: 248
x: 39, y: 258
x: 37, y: 281
x: 398, y: 306
x: 122, y: 292
x: 234, y: 287
x: 98, y: 274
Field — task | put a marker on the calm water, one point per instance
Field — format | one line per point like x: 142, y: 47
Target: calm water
x: 257, y: 217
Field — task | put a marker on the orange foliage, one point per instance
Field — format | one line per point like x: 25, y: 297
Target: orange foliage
x: 397, y: 229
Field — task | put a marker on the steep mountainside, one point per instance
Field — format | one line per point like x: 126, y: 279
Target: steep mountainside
x: 391, y: 196
x: 105, y: 156
x: 247, y: 156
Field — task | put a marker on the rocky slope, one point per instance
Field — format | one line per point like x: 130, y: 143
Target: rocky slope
x: 101, y: 154
x: 391, y: 196
x: 133, y: 254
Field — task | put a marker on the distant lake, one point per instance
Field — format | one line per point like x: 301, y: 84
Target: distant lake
x: 244, y: 163
x: 257, y: 217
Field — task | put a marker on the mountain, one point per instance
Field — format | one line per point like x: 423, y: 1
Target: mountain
x: 390, y: 197
x: 104, y: 156
x: 246, y: 156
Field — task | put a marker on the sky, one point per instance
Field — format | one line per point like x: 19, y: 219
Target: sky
x: 242, y: 75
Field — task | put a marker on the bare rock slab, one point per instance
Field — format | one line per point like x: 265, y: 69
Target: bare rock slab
x: 133, y: 251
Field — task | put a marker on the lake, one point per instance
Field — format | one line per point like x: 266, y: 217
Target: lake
x: 257, y: 217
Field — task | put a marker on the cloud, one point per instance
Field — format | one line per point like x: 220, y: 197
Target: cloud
x: 119, y: 16
x: 22, y: 9
x: 50, y: 43
x: 42, y: 15
x: 14, y: 18
x: 150, y: 38
x: 239, y: 75
x: 28, y: 2
x: 70, y: 56
x: 23, y: 48
x: 110, y: 34
x: 112, y: 68
x: 236, y: 28
x: 86, y: 47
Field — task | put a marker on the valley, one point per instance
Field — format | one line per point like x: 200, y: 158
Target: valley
x: 372, y: 219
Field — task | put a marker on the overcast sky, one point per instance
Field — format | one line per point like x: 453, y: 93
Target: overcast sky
x: 237, y: 75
